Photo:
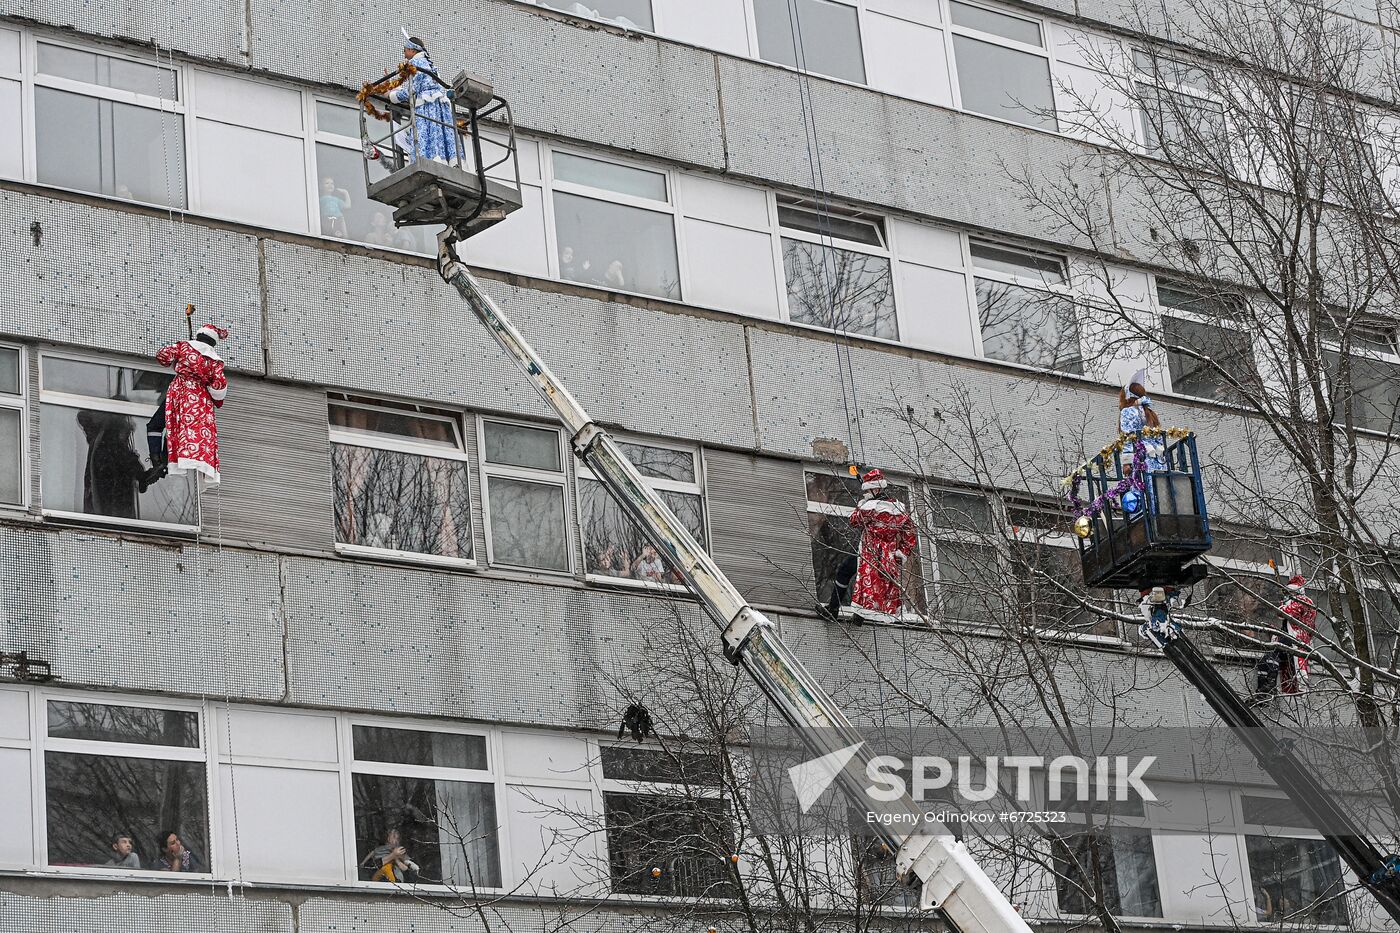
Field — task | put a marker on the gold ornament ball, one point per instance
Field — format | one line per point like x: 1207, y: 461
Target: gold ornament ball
x: 1082, y: 526
x: 656, y: 873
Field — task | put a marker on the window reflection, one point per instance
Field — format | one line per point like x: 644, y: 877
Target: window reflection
x: 1006, y: 83
x: 92, y: 799
x: 615, y: 546
x: 685, y: 836
x: 840, y: 289
x: 396, y: 501
x: 813, y: 35
x: 1121, y: 862
x: 616, y: 246
x: 108, y: 147
x: 1023, y: 325
x: 420, y: 747
x: 106, y: 722
x: 527, y: 524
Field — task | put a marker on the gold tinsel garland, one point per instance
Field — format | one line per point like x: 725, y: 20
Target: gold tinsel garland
x: 383, y: 86
x: 1113, y: 449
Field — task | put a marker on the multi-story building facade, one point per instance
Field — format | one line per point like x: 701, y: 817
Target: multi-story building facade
x: 405, y: 594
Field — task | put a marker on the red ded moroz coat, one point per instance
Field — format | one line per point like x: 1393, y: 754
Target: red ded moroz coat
x: 199, y: 387
x: 887, y: 538
x: 1302, y: 625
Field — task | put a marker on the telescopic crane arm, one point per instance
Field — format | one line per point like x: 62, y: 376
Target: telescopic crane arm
x: 951, y: 881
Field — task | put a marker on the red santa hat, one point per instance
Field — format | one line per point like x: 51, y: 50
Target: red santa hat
x: 213, y: 331
x: 1296, y: 583
x: 873, y: 480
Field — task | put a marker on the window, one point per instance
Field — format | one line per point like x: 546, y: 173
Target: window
x: 1370, y: 387
x: 615, y: 227
x: 344, y: 207
x: 1003, y: 69
x: 1296, y: 880
x: 109, y: 125
x: 12, y: 379
x: 115, y: 770
x: 1125, y: 866
x: 629, y: 14
x: 400, y: 479
x: 1179, y: 116
x: 831, y: 499
x: 524, y: 481
x: 92, y: 418
x: 965, y: 558
x: 838, y: 271
x: 425, y: 808
x: 1045, y: 566
x: 614, y: 546
x: 1248, y: 592
x: 820, y: 36
x: 1024, y: 316
x: 1206, y: 325
x: 663, y: 810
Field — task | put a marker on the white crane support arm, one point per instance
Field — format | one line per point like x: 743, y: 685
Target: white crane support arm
x: 952, y: 882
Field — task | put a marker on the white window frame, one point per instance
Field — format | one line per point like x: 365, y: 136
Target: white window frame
x: 1045, y: 51
x: 1218, y: 321
x: 938, y: 535
x: 181, y: 107
x: 42, y: 744
x: 1329, y: 345
x: 527, y: 475
x: 1288, y: 559
x: 911, y: 488
x: 671, y: 206
x: 404, y: 446
x: 493, y: 776
x: 655, y: 29
x: 755, y: 53
x: 92, y: 403
x: 696, y: 488
x: 1260, y: 830
x: 20, y: 403
x: 1063, y: 289
x: 884, y: 231
x: 1164, y: 85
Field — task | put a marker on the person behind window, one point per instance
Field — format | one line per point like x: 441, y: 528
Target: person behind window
x: 648, y: 566
x: 615, y: 277
x: 113, y: 472
x: 380, y: 232
x: 173, y: 854
x: 433, y: 134
x: 334, y: 203
x: 390, y: 861
x: 612, y: 562
x: 124, y: 852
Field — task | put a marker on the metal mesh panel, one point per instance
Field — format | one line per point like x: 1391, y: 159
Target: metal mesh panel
x: 210, y: 30
x: 214, y: 913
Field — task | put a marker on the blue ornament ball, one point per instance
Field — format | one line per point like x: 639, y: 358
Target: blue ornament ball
x: 1132, y: 501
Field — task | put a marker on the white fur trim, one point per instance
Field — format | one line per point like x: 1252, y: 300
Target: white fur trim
x: 877, y: 484
x: 218, y: 395
x: 208, y: 476
x: 882, y: 506
x: 203, y: 349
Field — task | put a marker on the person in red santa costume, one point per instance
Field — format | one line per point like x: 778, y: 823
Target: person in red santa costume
x: 1280, y: 669
x: 186, y: 417
x: 887, y: 538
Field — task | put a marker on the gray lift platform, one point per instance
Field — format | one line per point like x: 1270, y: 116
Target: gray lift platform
x: 468, y: 193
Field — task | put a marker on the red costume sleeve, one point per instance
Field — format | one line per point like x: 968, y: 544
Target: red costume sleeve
x: 165, y: 356
x: 216, y: 382
x: 909, y: 536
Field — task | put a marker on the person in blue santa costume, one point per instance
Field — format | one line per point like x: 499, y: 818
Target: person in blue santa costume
x: 433, y: 134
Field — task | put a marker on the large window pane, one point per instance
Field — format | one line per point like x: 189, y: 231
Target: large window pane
x: 664, y: 766
x: 347, y: 212
x: 615, y: 246
x: 1005, y: 83
x: 99, y: 380
x: 839, y: 289
x: 686, y: 837
x: 105, y: 722
x: 395, y: 425
x: 333, y: 118
x: 527, y: 524
x: 828, y: 224
x: 420, y: 747
x: 814, y: 35
x: 633, y: 14
x: 1023, y: 325
x: 90, y: 799
x: 609, y: 176
x: 116, y: 73
x: 401, y: 502
x: 421, y: 830
x: 1177, y: 126
x: 998, y: 24
x: 10, y: 465
x: 968, y: 582
x: 614, y: 545
x: 1224, y: 348
x: 91, y: 466
x: 9, y: 371
x: 109, y: 148
x: 1296, y: 880
x: 1125, y: 866
x: 1375, y: 392
x: 660, y: 462
x: 1046, y: 270
x: 517, y: 445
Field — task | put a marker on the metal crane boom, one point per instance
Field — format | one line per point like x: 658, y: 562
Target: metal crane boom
x: 951, y: 881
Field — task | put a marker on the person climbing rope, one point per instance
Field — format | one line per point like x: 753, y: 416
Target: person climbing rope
x: 887, y: 538
x: 182, y: 434
x: 1280, y: 670
x: 433, y: 134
